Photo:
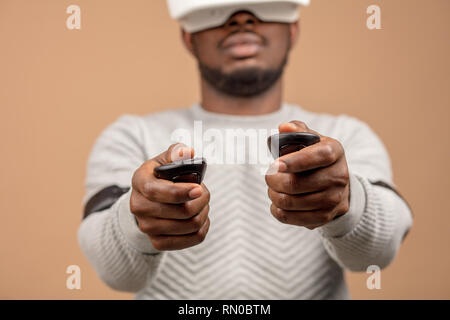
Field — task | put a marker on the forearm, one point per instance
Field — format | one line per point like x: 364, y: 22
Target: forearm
x: 120, y: 253
x: 371, y: 231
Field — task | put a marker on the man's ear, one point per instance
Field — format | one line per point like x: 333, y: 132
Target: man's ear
x: 188, y: 41
x: 294, y: 32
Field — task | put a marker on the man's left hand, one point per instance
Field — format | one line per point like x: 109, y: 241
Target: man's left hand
x: 311, y: 186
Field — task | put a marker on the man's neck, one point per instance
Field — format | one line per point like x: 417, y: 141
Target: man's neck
x: 215, y: 101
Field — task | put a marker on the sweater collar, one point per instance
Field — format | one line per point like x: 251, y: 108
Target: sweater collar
x: 200, y: 113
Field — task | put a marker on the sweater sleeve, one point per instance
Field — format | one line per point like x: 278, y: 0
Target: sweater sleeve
x: 120, y: 253
x: 371, y: 232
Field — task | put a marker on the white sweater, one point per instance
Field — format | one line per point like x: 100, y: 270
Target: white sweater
x: 247, y: 253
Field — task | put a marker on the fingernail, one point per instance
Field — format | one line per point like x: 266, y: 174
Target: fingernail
x: 195, y: 193
x: 181, y: 152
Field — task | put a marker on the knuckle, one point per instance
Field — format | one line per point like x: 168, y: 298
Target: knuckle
x: 148, y: 226
x: 134, y: 179
x: 208, y: 195
x: 327, y: 153
x: 197, y: 222
x: 270, y: 179
x: 134, y: 206
x: 269, y: 194
x: 141, y: 228
x: 326, y: 217
x: 345, y: 208
x: 141, y: 225
x: 266, y: 178
x: 330, y: 216
x: 201, y: 235
x: 207, y: 207
x: 157, y: 244
x: 281, y: 216
x: 339, y: 146
x: 340, y: 180
x: 334, y: 199
x: 283, y: 201
x: 189, y: 209
x: 346, y: 176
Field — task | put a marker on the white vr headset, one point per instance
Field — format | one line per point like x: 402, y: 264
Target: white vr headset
x: 198, y: 15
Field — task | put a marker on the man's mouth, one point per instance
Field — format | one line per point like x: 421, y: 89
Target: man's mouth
x: 243, y: 45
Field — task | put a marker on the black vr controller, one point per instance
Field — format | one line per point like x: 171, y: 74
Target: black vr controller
x: 190, y: 170
x: 285, y: 143
x: 193, y: 170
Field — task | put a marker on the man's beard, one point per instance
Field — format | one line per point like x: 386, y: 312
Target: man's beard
x: 245, y: 83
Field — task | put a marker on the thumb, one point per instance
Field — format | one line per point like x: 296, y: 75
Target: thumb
x: 177, y: 151
x: 296, y: 126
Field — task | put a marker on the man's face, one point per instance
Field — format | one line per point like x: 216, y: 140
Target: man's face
x: 245, y: 56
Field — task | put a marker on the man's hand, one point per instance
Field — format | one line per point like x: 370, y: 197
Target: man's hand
x: 173, y: 215
x: 311, y: 187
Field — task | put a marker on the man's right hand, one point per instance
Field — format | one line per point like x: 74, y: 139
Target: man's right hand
x: 173, y: 215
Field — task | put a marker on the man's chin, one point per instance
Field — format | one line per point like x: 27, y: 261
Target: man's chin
x: 243, y: 64
x: 242, y: 78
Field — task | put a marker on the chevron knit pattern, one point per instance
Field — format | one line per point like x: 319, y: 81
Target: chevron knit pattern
x: 247, y: 253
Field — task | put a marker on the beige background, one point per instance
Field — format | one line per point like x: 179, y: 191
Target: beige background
x: 60, y: 88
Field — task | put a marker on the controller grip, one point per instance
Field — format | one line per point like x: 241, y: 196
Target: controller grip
x: 190, y: 170
x: 285, y: 143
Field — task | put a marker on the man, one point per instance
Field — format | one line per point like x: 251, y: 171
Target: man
x: 289, y: 234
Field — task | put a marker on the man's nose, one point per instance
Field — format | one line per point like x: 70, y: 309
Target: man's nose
x: 241, y: 19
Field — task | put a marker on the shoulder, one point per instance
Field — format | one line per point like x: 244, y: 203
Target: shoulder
x: 135, y: 124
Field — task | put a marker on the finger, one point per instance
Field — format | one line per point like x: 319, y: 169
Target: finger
x: 322, y: 154
x: 308, y: 181
x: 327, y: 199
x: 177, y: 242
x: 160, y: 190
x: 142, y: 207
x: 192, y: 207
x: 177, y: 151
x: 164, y: 191
x: 296, y: 126
x: 302, y: 218
x: 157, y: 226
